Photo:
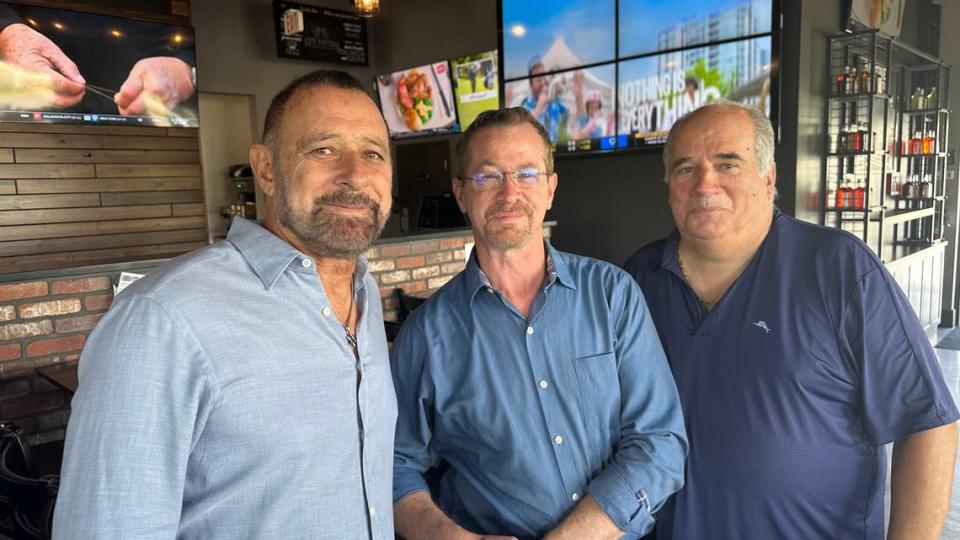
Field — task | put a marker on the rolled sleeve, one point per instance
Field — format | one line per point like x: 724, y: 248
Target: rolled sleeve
x: 412, y: 454
x: 648, y: 465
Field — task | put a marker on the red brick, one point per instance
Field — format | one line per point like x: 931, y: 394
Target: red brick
x: 67, y: 286
x: 71, y: 357
x: 381, y: 265
x: 8, y: 313
x: 44, y: 347
x: 16, y: 291
x: 14, y: 389
x: 439, y: 257
x: 413, y: 286
x: 450, y: 243
x: 25, y: 329
x: 97, y: 302
x: 371, y: 253
x: 425, y: 272
x: 77, y: 324
x: 395, y: 251
x: 393, y: 277
x: 411, y: 262
x: 386, y: 292
x: 18, y: 368
x: 425, y: 247
x: 32, y: 404
x: 9, y: 352
x: 52, y: 307
x: 437, y: 282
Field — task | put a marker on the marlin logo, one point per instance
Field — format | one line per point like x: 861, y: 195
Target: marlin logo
x: 763, y: 326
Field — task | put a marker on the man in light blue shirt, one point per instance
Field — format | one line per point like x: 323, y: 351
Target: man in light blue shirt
x: 244, y: 390
x: 536, y: 375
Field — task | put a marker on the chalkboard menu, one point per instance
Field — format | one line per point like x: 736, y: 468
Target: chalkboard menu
x: 319, y: 34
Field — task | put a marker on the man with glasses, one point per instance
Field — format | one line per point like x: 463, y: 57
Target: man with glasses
x: 536, y: 376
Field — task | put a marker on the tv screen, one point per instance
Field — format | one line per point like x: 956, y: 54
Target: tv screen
x: 553, y: 35
x: 67, y: 66
x: 656, y: 90
x: 418, y: 101
x: 476, y: 84
x: 648, y: 26
x: 883, y: 15
x: 576, y: 107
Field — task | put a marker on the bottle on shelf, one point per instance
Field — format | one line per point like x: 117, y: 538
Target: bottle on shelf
x: 856, y: 138
x: 859, y: 194
x: 916, y: 99
x: 926, y: 187
x: 931, y: 99
x: 865, y: 77
x: 841, y: 81
x: 851, y: 80
x: 880, y: 77
x: 845, y: 192
x: 916, y: 144
x: 893, y: 183
x: 926, y: 144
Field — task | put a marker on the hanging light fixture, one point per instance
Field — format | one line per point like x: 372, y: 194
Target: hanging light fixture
x: 367, y: 8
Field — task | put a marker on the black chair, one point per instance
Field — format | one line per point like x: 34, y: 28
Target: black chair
x: 27, y: 498
x: 408, y: 303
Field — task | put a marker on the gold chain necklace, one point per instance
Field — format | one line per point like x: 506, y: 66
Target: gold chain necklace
x: 707, y: 304
x: 351, y: 337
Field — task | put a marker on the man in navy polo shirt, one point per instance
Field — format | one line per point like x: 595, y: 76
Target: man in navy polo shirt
x: 796, y: 356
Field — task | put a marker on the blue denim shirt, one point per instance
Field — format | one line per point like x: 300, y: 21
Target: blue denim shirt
x: 219, y: 398
x: 533, y: 414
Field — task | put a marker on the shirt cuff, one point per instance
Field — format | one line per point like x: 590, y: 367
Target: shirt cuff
x: 628, y: 509
x: 406, y: 481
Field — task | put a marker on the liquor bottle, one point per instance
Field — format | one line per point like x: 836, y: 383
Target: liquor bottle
x: 931, y: 99
x: 851, y: 80
x: 845, y: 193
x: 865, y: 77
x: 893, y: 183
x: 841, y: 82
x: 880, y: 86
x: 859, y: 194
x: 842, y: 140
x: 927, y: 143
x: 916, y: 99
x: 926, y: 187
x: 916, y: 144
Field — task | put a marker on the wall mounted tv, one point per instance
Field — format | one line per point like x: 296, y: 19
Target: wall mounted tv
x: 603, y: 75
x: 476, y: 84
x: 67, y: 66
x: 418, y: 101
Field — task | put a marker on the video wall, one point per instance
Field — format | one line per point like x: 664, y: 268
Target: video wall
x: 442, y: 97
x: 602, y: 75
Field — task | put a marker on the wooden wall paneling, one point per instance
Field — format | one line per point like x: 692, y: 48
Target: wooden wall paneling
x: 8, y: 187
x: 64, y: 215
x: 150, y: 197
x: 6, y: 155
x: 191, y: 209
x: 98, y: 185
x: 47, y: 171
x: 22, y: 263
x: 125, y: 131
x: 61, y: 230
x: 60, y: 140
x: 30, y: 247
x: 51, y: 155
x: 136, y: 170
x: 33, y: 202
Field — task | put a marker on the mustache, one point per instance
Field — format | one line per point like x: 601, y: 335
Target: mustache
x: 347, y: 198
x: 699, y: 203
x: 518, y: 207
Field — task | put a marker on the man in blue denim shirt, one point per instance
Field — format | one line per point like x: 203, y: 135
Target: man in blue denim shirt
x: 536, y: 375
x: 243, y: 390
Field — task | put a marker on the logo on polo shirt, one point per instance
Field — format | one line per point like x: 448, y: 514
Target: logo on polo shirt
x: 763, y: 326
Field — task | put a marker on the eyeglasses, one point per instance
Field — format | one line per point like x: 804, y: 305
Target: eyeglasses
x: 524, y: 178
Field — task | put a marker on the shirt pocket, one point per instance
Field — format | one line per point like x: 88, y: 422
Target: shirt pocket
x: 598, y: 384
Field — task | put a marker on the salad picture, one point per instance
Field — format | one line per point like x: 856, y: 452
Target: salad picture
x: 415, y: 99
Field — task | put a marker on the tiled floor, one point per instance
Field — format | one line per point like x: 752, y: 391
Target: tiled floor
x: 950, y: 364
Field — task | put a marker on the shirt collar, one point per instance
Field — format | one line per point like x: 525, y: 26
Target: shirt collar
x: 556, y: 270
x: 269, y: 256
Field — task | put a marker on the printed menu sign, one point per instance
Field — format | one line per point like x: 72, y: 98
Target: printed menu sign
x: 319, y: 34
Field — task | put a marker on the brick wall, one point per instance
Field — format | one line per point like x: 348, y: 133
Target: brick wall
x: 46, y: 321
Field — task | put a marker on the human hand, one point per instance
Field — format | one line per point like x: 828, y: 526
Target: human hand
x: 155, y: 86
x: 578, y: 83
x: 46, y: 67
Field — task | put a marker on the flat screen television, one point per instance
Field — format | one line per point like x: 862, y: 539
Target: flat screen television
x: 883, y: 15
x: 87, y: 68
x: 615, y: 74
x: 476, y: 85
x: 418, y: 101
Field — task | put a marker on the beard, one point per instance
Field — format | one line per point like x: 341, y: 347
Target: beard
x: 510, y: 236
x: 328, y: 233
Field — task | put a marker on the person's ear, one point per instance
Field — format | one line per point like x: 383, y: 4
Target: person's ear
x: 261, y: 160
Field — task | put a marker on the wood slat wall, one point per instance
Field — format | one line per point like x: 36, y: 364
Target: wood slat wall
x: 74, y: 195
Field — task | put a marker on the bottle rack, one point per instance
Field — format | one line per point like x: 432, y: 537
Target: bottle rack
x: 886, y: 130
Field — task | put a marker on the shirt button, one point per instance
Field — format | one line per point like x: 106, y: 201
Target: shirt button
x: 558, y: 439
x: 373, y: 511
x: 544, y: 384
x: 325, y: 311
x: 306, y: 263
x: 575, y: 496
x: 529, y: 330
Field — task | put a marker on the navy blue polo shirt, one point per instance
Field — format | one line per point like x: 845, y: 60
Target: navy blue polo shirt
x: 790, y: 385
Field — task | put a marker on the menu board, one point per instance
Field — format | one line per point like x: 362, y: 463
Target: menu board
x: 306, y: 32
x: 418, y: 101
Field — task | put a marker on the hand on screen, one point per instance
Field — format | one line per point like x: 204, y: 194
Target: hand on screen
x: 155, y: 86
x: 36, y: 64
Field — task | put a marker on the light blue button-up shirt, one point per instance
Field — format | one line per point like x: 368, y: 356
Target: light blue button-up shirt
x: 219, y: 398
x: 533, y: 414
